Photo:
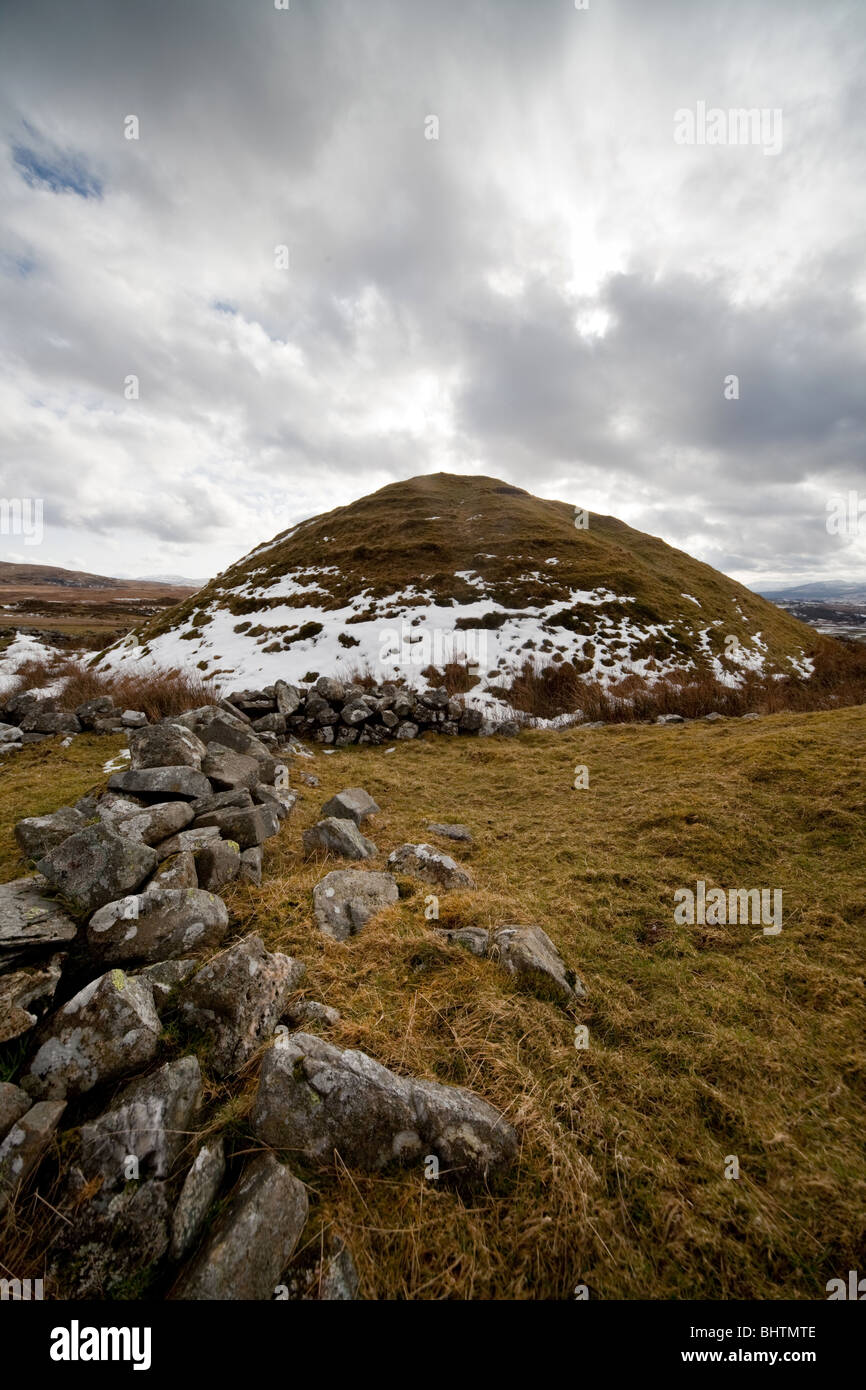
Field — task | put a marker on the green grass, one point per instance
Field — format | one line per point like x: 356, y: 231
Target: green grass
x: 704, y: 1042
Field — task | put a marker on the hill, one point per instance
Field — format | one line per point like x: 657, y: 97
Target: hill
x: 445, y: 567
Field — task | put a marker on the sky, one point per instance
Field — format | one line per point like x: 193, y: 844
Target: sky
x: 256, y: 262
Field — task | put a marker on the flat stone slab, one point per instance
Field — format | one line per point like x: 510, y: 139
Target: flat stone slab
x: 345, y: 900
x: 352, y: 804
x: 429, y: 865
x: 29, y: 920
x: 450, y: 832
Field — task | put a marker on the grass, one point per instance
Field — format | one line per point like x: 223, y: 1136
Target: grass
x: 156, y: 693
x: 704, y: 1042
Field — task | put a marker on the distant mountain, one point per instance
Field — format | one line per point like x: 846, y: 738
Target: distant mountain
x: 445, y: 566
x: 180, y: 579
x: 35, y: 575
x: 825, y: 590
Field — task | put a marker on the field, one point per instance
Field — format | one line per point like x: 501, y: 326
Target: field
x: 704, y: 1042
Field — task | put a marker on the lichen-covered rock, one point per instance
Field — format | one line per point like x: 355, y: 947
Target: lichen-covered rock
x: 352, y: 804
x: 13, y: 1104
x: 529, y: 954
x: 301, y: 1011
x: 226, y: 769
x: 115, y: 1239
x: 431, y: 866
x: 252, y: 1241
x: 29, y: 921
x: 288, y: 697
x: 176, y: 871
x: 251, y: 865
x: 340, y: 837
x: 246, y: 828
x: 188, y: 841
x: 320, y: 1101
x: 36, y: 835
x: 162, y: 783
x: 25, y: 994
x: 200, y: 1187
x: 22, y: 1149
x: 157, y: 924
x: 217, y: 864
x: 451, y: 832
x: 96, y: 865
x: 238, y: 797
x: 345, y: 900
x: 151, y: 824
x: 168, y: 744
x: 165, y: 977
x: 474, y: 939
x: 107, y: 1030
x: 150, y: 1122
x: 238, y: 998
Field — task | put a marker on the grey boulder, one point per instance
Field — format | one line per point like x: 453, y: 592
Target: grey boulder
x: 165, y: 745
x: 22, y: 1150
x: 96, y: 865
x: 431, y: 866
x: 151, y: 1121
x: 200, y: 1187
x: 252, y: 1241
x: 157, y: 924
x: 151, y: 824
x: 345, y: 900
x: 530, y: 956
x: 340, y: 837
x: 185, y: 783
x: 238, y: 998
x: 36, y: 835
x: 352, y: 804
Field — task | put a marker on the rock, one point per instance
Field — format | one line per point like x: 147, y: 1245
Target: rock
x: 22, y: 1150
x: 9, y: 734
x: 237, y: 999
x: 13, y: 1104
x: 750, y: 715
x: 474, y: 939
x: 356, y: 712
x: 115, y: 1239
x: 246, y: 828
x: 190, y: 841
x: 407, y: 730
x: 450, y: 832
x: 161, y: 783
x: 50, y: 722
x: 238, y: 797
x: 158, y: 924
x: 227, y: 770
x: 338, y: 837
x: 24, y: 989
x: 664, y: 719
x: 133, y: 718
x: 150, y: 1121
x: 270, y: 724
x: 282, y: 801
x: 231, y: 734
x: 311, y: 1011
x: 252, y: 1241
x: 593, y: 724
x: 110, y: 725
x: 178, y: 871
x: 308, y: 779
x: 321, y: 713
x: 529, y: 954
x: 470, y: 720
x: 714, y: 717
x: 108, y: 1029
x: 109, y: 807
x: 345, y: 900
x: 330, y: 689
x: 251, y: 865
x: 168, y: 744
x: 99, y: 707
x: 217, y: 864
x: 352, y: 804
x: 151, y: 824
x: 29, y: 921
x: 430, y: 865
x: 288, y: 697
x: 200, y: 1187
x: 315, y: 1100
x: 36, y: 835
x: 509, y: 728
x: 96, y: 865
x: 325, y: 735
x: 165, y: 977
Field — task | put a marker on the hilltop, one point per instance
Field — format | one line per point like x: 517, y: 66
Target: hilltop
x: 447, y: 567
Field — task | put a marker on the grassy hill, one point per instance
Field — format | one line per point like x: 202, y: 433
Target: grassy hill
x: 704, y: 1042
x: 457, y: 555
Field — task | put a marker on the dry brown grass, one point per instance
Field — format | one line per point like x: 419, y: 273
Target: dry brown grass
x: 704, y: 1042
x: 156, y: 693
x: 547, y: 690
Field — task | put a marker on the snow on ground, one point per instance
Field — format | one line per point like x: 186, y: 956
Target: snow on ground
x: 21, y: 649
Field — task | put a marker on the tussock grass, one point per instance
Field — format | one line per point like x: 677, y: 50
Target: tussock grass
x: 157, y: 693
x: 704, y: 1041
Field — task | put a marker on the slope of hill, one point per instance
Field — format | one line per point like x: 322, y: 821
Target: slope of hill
x: 445, y: 567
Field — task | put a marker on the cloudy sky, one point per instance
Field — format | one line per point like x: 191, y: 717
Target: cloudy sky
x: 553, y: 291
